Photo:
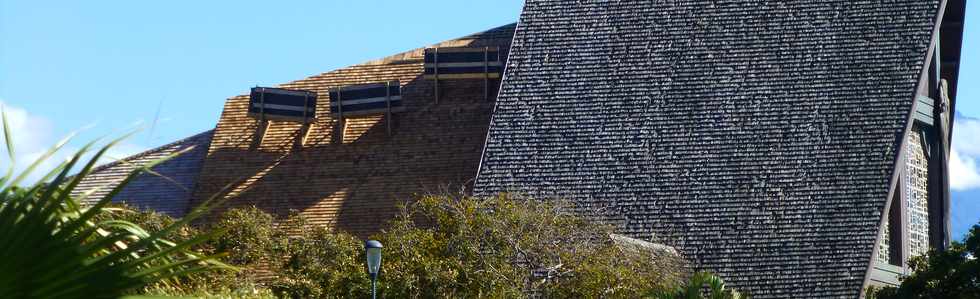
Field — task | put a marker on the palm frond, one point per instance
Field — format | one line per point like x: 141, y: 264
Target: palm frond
x: 53, y: 247
x: 695, y: 289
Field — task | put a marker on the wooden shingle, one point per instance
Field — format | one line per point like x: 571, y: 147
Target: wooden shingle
x: 758, y: 137
x: 355, y: 182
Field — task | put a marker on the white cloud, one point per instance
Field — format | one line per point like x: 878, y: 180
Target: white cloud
x: 33, y: 135
x: 27, y: 130
x: 963, y: 171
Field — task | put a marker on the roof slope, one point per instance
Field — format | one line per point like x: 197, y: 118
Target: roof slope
x: 356, y: 183
x: 758, y: 137
x: 169, y: 195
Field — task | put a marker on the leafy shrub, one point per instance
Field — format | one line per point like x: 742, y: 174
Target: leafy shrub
x: 440, y: 246
x: 508, y: 246
x: 250, y: 236
x: 322, y: 264
x: 240, y: 290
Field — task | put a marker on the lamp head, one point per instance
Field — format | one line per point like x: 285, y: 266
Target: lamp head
x: 372, y: 250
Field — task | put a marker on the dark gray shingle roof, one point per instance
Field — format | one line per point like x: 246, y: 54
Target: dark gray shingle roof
x: 758, y: 137
x: 150, y: 192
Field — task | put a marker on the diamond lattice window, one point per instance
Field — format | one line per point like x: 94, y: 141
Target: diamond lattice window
x: 917, y: 194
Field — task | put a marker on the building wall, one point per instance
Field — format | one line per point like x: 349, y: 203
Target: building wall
x: 356, y: 183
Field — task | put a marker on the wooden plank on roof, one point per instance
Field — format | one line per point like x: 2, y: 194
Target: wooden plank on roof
x: 464, y: 76
x: 366, y: 99
x: 266, y: 103
x: 467, y: 49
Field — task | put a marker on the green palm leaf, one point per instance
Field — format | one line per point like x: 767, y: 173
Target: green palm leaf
x: 52, y: 247
x: 695, y: 289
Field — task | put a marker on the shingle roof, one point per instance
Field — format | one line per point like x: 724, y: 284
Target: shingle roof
x: 169, y: 195
x: 356, y: 184
x: 758, y: 137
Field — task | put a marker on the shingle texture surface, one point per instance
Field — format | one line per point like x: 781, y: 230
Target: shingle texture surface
x: 169, y: 195
x: 356, y: 182
x: 759, y: 137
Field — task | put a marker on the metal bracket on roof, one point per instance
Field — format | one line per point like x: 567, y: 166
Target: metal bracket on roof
x: 261, y: 123
x: 260, y: 130
x: 486, y: 73
x: 436, y: 72
x: 340, y: 125
x: 388, y: 106
x: 304, y: 129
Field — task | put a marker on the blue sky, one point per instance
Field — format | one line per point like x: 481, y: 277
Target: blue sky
x: 168, y: 66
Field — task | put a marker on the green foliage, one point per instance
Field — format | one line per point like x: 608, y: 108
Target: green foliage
x: 506, y: 246
x: 211, y: 284
x: 322, y: 264
x: 954, y: 273
x: 147, y: 220
x: 239, y: 290
x: 695, y: 289
x: 51, y: 247
x: 221, y: 283
x: 440, y: 246
x: 250, y: 235
x: 457, y: 252
x: 290, y: 258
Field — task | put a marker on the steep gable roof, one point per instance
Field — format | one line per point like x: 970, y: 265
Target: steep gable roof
x: 758, y: 137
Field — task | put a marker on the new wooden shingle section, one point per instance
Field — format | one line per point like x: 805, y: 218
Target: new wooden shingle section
x: 761, y: 138
x: 378, y: 137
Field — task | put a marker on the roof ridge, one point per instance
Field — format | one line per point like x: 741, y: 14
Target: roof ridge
x: 407, y: 56
x: 472, y: 36
x: 402, y: 57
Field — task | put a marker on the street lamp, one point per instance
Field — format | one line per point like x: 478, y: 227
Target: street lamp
x: 372, y: 249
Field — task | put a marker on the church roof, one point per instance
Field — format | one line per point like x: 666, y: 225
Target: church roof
x: 759, y: 138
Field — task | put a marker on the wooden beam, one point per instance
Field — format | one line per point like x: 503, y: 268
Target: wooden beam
x: 388, y: 106
x: 462, y: 76
x: 436, y: 70
x: 341, y: 125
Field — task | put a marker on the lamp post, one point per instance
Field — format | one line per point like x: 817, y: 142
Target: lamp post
x: 372, y: 249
